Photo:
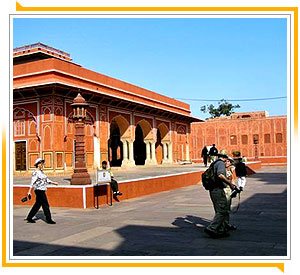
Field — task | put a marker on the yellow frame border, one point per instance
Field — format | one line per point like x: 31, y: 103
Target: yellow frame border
x: 21, y: 8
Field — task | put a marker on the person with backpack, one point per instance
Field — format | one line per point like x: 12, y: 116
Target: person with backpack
x: 218, y: 227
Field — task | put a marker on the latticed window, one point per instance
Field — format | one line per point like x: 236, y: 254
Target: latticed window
x: 267, y: 138
x: 244, y: 139
x: 278, y: 138
x: 233, y: 140
x: 20, y: 127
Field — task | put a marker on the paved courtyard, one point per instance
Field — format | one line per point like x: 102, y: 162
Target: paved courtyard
x: 166, y: 224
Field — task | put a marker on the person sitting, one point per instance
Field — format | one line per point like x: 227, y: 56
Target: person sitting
x: 113, y: 183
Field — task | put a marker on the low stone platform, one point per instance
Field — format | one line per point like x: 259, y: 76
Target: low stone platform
x: 123, y: 174
x: 133, y: 182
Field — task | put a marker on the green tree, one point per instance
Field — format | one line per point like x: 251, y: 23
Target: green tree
x: 224, y: 109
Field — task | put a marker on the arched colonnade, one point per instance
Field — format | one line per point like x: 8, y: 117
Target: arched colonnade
x: 139, y: 143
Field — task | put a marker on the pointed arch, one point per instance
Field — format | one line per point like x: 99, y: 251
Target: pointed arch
x: 146, y: 128
x: 119, y: 128
x: 23, y: 111
x: 164, y: 131
x: 123, y: 125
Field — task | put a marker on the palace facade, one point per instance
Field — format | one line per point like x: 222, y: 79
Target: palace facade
x: 126, y: 125
x: 255, y: 134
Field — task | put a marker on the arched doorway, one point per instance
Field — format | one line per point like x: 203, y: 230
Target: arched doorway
x: 161, y: 148
x: 181, y: 152
x: 158, y: 148
x: 139, y: 146
x: 115, y: 152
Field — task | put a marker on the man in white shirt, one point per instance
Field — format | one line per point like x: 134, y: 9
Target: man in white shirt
x: 39, y: 183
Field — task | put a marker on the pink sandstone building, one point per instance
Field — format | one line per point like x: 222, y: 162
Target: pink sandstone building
x: 126, y: 125
x: 255, y: 134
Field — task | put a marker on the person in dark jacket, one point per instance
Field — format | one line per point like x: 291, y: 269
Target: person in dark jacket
x: 241, y: 173
x: 204, y: 155
x: 213, y: 153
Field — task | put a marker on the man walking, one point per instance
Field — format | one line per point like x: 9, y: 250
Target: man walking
x: 204, y: 155
x: 218, y: 227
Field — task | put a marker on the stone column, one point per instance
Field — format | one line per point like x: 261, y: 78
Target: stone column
x: 97, y: 162
x: 187, y: 152
x: 130, y: 161
x: 80, y: 175
x: 125, y: 152
x: 170, y: 152
x: 165, y: 153
x: 148, y: 155
x: 153, y: 158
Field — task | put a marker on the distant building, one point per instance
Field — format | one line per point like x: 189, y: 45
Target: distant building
x: 126, y: 125
x: 240, y: 132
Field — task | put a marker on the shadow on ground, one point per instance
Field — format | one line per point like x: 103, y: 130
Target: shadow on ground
x: 262, y: 231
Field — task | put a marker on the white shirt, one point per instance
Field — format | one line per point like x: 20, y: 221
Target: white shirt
x: 39, y: 180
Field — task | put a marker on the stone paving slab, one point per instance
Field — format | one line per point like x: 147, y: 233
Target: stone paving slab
x: 169, y: 223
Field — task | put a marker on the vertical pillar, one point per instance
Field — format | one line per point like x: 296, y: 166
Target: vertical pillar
x: 125, y: 151
x: 80, y: 175
x: 170, y: 152
x: 131, y: 151
x: 153, y: 158
x: 148, y: 157
x: 165, y: 153
x: 187, y: 152
x: 128, y: 160
x: 97, y: 152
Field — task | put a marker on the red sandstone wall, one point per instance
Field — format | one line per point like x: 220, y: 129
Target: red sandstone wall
x: 60, y: 197
x: 72, y: 196
x: 237, y: 134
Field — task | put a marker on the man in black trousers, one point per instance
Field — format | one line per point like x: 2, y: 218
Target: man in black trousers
x: 39, y: 183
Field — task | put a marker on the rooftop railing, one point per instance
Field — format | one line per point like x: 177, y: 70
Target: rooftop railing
x: 40, y: 45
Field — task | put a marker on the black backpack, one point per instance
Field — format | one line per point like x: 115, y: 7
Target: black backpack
x: 208, y: 177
